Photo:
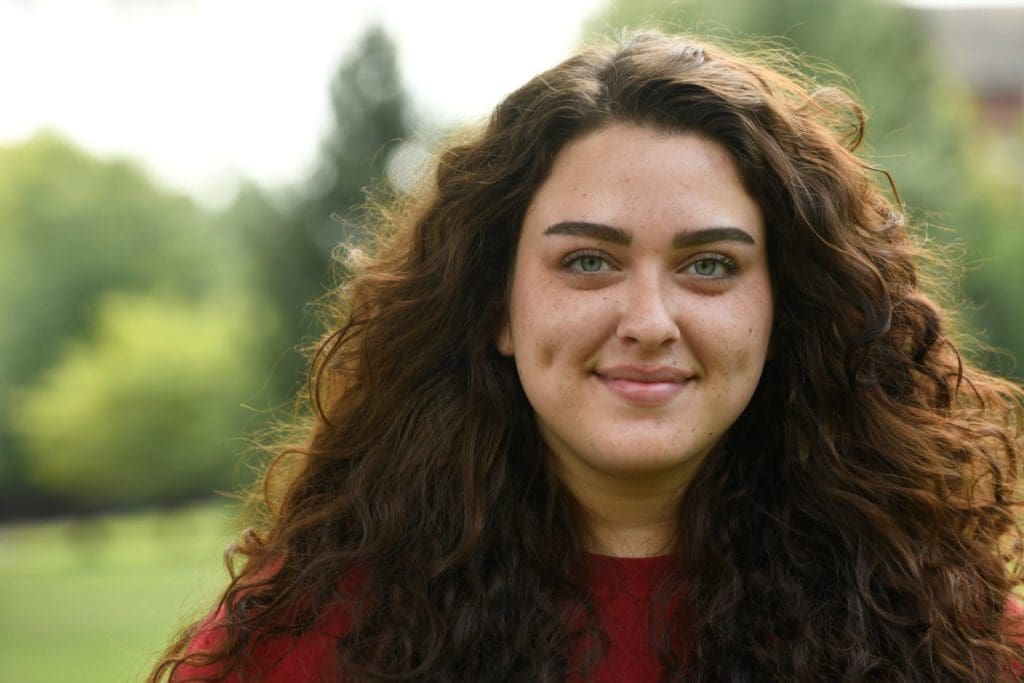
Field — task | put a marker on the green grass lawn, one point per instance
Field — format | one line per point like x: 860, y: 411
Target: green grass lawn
x: 98, y: 601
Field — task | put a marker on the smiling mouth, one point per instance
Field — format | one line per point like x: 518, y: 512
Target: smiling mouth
x: 643, y: 385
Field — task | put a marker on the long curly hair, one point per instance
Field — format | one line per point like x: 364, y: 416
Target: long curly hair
x: 857, y: 522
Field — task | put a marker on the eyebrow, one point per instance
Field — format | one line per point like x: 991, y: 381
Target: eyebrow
x: 600, y: 231
x: 709, y: 235
x: 608, y: 233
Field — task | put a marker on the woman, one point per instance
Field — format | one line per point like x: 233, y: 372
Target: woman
x: 643, y: 386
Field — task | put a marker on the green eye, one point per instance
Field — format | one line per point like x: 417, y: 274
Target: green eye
x: 585, y: 262
x: 706, y: 267
x: 712, y: 267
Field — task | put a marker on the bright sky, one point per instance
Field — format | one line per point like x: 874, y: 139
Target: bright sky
x: 202, y: 91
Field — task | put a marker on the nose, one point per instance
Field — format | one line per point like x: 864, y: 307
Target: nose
x: 647, y: 318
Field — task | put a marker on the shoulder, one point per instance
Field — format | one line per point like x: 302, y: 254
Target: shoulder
x: 310, y: 656
x: 1014, y: 629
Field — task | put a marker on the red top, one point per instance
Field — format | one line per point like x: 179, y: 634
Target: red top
x: 621, y: 588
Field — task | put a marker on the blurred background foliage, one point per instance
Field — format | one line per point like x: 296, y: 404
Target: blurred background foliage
x: 174, y: 370
x: 149, y: 335
x: 146, y: 339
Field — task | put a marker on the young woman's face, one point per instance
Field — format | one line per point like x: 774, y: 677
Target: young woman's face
x: 641, y: 306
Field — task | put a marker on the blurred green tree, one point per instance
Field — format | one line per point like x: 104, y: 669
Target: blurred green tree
x: 73, y: 228
x: 289, y: 239
x: 147, y: 409
x: 922, y: 128
x: 76, y: 234
x: 371, y: 119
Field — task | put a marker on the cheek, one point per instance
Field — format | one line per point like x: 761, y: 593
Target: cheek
x: 741, y: 343
x: 755, y: 320
x: 551, y: 322
x: 538, y: 320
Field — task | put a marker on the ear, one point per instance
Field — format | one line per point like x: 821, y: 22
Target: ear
x: 503, y: 341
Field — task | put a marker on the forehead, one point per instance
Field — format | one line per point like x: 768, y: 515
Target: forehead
x: 638, y: 178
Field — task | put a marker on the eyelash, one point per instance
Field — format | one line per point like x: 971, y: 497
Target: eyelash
x: 579, y: 255
x: 726, y: 262
x: 571, y: 259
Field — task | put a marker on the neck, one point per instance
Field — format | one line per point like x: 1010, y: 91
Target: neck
x: 627, y: 517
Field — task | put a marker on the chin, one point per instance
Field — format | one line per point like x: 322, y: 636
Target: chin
x: 648, y: 463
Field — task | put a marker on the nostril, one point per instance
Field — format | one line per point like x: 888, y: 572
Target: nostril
x: 649, y: 326
x: 649, y: 336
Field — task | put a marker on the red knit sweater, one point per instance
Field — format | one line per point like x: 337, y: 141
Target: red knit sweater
x: 621, y: 589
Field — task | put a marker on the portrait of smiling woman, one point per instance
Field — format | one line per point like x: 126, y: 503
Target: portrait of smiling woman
x: 642, y: 385
x: 639, y: 316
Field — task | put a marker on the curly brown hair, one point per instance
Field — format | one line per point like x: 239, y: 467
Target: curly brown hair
x: 856, y: 523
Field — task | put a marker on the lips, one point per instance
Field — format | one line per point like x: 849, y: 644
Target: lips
x: 644, y: 385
